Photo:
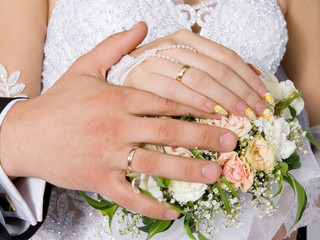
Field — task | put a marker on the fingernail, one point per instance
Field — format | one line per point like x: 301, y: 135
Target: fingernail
x: 241, y: 107
x: 250, y: 114
x: 171, y: 214
x: 211, y: 171
x: 269, y: 98
x: 268, y: 114
x: 228, y: 140
x: 220, y: 110
x: 210, y: 105
x: 256, y: 70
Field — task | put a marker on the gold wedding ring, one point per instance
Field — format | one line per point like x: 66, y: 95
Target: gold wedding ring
x: 130, y: 157
x: 182, y: 72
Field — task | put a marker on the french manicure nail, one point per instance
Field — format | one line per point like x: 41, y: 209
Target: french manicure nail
x: 211, y: 171
x: 269, y: 98
x: 250, y: 114
x: 256, y: 70
x: 268, y: 114
x: 220, y: 110
x: 228, y: 140
x: 171, y: 214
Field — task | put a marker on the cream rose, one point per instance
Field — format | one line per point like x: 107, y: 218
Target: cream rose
x: 236, y: 170
x: 239, y: 125
x: 184, y: 192
x: 260, y: 155
x: 147, y: 183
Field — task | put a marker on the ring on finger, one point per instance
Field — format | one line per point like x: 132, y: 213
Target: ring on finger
x: 182, y: 72
x: 130, y: 157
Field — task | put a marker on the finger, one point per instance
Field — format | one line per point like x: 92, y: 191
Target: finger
x: 224, y: 55
x: 122, y: 193
x: 173, y: 132
x: 170, y: 89
x: 110, y: 51
x: 173, y: 167
x: 217, y: 82
x: 143, y: 103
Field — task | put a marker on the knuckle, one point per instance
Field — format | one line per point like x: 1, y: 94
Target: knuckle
x: 167, y: 42
x: 167, y: 131
x: 168, y: 106
x: 197, y: 78
x: 206, y: 138
x: 230, y: 56
x: 147, y: 164
x: 125, y: 200
x: 188, y: 171
x: 247, y: 95
x: 222, y: 73
x: 183, y: 32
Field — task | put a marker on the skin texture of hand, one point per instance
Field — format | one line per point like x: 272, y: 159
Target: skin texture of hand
x: 217, y: 75
x: 79, y: 133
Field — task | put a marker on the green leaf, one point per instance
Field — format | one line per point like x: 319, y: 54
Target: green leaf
x: 283, y: 167
x: 280, y: 186
x: 234, y: 192
x: 110, y: 212
x: 145, y: 228
x: 224, y: 197
x: 293, y: 161
x: 187, y: 229
x: 293, y: 112
x: 175, y: 208
x: 201, y: 236
x: 163, y: 182
x: 285, y: 103
x: 101, y: 205
x: 157, y: 227
x: 311, y: 139
x: 196, y: 154
x: 165, y: 203
x: 302, y: 201
x: 289, y: 180
x: 147, y: 220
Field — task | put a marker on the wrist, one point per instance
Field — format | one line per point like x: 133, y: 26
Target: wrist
x: 11, y: 154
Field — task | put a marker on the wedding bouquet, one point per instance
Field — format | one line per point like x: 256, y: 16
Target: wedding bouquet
x: 266, y: 152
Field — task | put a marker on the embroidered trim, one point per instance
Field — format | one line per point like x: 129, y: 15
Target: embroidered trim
x: 8, y: 85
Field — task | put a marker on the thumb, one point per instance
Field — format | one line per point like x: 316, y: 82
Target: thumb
x: 112, y: 49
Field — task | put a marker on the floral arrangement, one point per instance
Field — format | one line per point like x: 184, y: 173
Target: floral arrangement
x: 266, y: 152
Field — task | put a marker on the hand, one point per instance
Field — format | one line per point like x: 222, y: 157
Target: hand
x: 218, y: 76
x: 79, y: 133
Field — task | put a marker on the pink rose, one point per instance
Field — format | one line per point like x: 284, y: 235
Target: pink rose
x: 236, y: 170
x: 260, y: 155
x: 239, y: 125
x: 180, y: 151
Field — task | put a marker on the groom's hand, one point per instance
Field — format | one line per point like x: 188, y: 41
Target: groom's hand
x: 79, y: 133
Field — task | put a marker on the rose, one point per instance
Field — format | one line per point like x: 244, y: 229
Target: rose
x: 276, y: 134
x: 239, y: 125
x: 260, y: 155
x: 281, y: 91
x: 288, y: 90
x: 184, y: 192
x: 236, y: 171
x: 147, y: 183
x: 180, y: 151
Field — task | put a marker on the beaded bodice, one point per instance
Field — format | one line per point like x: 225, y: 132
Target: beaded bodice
x: 255, y: 29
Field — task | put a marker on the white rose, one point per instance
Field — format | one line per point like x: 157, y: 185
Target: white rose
x: 147, y: 183
x: 288, y: 90
x: 276, y: 134
x: 184, y: 192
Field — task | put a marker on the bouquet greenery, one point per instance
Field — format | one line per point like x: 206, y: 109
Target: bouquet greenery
x: 266, y: 152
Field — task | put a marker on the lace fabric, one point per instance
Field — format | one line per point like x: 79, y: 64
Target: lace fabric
x: 256, y: 30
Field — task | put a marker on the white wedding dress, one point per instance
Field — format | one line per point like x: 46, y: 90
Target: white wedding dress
x: 255, y: 29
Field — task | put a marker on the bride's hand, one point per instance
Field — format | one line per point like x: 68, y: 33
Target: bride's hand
x: 217, y: 76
